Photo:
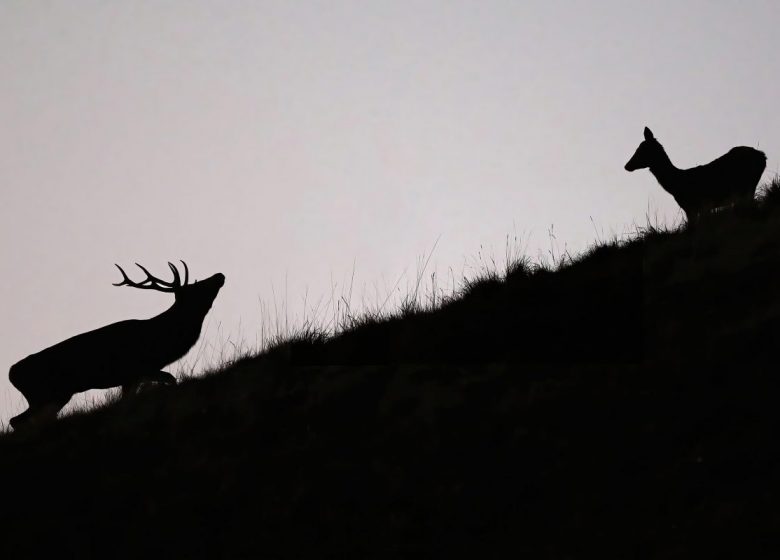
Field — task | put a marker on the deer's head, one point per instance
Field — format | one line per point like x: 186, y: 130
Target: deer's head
x: 649, y: 152
x: 197, y: 296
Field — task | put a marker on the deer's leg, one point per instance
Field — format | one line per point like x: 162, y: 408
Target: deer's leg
x: 161, y: 377
x: 130, y: 389
x: 21, y: 420
x: 50, y: 410
x: 40, y: 411
x: 157, y: 377
x: 744, y: 201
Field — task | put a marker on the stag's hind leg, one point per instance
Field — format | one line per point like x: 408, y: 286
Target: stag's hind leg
x: 41, y: 410
x: 20, y: 420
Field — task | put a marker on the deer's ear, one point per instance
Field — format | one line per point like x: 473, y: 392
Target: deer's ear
x: 648, y: 134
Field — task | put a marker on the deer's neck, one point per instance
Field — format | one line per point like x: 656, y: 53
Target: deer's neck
x: 172, y: 333
x: 666, y: 173
x: 181, y: 322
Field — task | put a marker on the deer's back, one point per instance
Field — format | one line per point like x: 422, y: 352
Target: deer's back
x: 97, y: 359
x: 734, y: 174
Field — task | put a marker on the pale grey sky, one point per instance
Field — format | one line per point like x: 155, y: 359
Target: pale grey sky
x: 281, y: 142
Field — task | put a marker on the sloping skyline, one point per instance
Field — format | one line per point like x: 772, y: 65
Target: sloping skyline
x: 286, y: 145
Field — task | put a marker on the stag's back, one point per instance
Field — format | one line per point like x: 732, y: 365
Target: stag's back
x: 100, y: 358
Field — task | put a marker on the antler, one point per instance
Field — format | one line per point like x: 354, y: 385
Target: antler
x: 153, y: 283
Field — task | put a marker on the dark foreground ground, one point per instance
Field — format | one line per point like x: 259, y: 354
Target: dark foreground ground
x: 624, y: 405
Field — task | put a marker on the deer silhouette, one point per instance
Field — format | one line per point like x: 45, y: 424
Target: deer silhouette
x: 126, y: 354
x: 730, y: 179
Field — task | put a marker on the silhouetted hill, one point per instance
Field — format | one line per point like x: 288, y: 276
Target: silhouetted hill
x: 623, y: 404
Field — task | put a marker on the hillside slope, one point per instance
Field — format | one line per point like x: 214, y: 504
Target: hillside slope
x: 622, y: 404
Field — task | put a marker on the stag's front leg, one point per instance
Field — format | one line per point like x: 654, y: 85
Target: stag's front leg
x: 160, y: 377
x: 130, y: 389
x: 156, y: 377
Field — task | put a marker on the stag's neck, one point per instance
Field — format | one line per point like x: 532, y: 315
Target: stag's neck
x: 181, y: 320
x: 666, y: 173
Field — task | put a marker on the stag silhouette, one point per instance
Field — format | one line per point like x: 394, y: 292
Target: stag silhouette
x: 730, y: 179
x: 126, y: 354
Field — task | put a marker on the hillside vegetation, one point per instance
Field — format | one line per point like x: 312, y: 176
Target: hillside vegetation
x: 623, y: 403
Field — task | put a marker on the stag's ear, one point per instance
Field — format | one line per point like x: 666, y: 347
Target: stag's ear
x: 648, y: 134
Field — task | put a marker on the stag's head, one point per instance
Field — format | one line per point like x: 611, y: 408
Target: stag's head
x: 199, y: 295
x: 650, y: 151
